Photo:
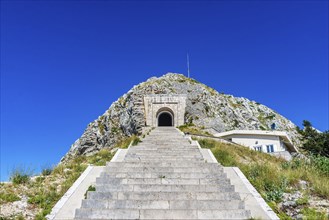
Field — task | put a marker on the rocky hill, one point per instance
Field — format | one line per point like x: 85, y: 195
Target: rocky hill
x: 205, y: 108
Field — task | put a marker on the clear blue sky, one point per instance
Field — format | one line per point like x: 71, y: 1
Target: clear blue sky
x: 64, y: 62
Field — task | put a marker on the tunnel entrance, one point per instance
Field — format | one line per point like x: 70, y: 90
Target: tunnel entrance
x: 165, y: 119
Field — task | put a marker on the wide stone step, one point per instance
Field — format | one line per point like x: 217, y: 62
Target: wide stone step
x: 158, y: 138
x: 164, y: 195
x: 160, y: 180
x: 164, y: 169
x: 86, y: 214
x: 163, y: 158
x: 151, y: 159
x: 168, y: 153
x: 163, y: 188
x: 163, y: 164
x: 166, y: 141
x: 162, y: 204
x: 164, y: 175
x: 145, y: 146
x: 161, y: 214
x: 163, y: 150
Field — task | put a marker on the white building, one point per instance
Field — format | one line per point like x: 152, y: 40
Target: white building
x: 274, y: 142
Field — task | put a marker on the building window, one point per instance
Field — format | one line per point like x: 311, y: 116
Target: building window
x: 258, y: 148
x: 270, y: 148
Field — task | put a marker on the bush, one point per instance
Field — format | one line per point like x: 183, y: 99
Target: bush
x: 274, y: 195
x: 46, y: 171
x: 20, y: 175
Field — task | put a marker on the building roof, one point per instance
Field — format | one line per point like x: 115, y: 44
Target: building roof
x: 283, y: 135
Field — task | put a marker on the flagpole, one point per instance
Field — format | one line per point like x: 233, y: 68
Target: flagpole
x: 188, y: 66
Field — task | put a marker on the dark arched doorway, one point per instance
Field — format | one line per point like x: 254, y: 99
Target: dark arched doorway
x: 165, y: 119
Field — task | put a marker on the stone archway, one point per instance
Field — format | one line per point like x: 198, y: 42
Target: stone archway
x: 165, y: 117
x: 157, y: 104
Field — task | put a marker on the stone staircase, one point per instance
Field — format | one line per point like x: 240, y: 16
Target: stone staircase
x: 163, y: 177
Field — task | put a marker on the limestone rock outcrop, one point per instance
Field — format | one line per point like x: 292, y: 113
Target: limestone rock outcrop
x: 205, y: 108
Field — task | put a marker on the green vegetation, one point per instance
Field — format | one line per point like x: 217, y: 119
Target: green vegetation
x: 100, y: 158
x: 314, y: 142
x: 270, y: 117
x: 124, y: 143
x: 207, y: 108
x: 273, y: 176
x: 135, y: 141
x: 186, y: 79
x: 310, y: 213
x: 238, y: 104
x: 8, y: 197
x: 122, y: 101
x: 262, y: 128
x: 45, y: 198
x: 21, y: 175
x: 44, y: 191
x: 302, y: 201
x: 90, y: 189
x: 46, y: 171
x: 236, y: 123
x: 114, y: 130
x: 192, y: 129
x: 101, y: 128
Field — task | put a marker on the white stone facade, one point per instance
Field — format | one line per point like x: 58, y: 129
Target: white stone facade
x: 265, y: 141
x: 157, y: 104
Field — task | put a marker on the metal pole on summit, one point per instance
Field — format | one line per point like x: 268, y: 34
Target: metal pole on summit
x: 188, y: 66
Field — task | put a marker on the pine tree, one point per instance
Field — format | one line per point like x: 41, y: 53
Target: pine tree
x: 313, y: 141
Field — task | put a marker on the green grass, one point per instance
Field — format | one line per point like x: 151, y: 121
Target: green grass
x: 44, y: 195
x: 124, y: 143
x: 192, y: 129
x: 6, y: 197
x: 100, y: 159
x: 273, y: 176
x: 310, y: 213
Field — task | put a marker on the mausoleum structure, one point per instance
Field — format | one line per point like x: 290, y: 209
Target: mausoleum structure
x: 164, y: 109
